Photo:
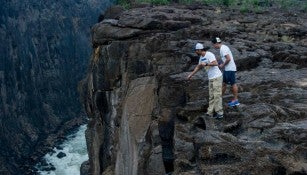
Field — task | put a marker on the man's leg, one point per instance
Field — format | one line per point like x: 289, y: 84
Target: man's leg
x: 234, y: 88
x: 211, y: 98
x: 224, y: 82
x: 217, y: 87
x: 224, y: 88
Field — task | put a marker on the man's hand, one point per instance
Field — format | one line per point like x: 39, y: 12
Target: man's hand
x: 221, y: 66
x: 189, y: 76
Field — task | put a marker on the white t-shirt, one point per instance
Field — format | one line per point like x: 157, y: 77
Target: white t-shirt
x: 231, y: 66
x: 213, y: 71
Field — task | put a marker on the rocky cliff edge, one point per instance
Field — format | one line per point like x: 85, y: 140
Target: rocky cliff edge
x: 143, y: 111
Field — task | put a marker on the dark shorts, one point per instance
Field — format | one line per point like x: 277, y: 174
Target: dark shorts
x: 229, y: 77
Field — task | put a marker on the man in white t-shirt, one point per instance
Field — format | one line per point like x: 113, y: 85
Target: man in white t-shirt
x: 208, y: 61
x: 230, y: 68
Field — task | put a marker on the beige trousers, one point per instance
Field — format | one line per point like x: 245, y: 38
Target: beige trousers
x: 215, y: 96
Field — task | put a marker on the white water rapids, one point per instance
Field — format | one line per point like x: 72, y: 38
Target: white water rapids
x: 76, y: 153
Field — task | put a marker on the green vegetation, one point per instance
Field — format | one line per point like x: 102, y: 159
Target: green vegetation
x: 243, y: 5
x: 155, y: 2
x: 124, y: 3
x: 287, y: 39
x: 253, y: 5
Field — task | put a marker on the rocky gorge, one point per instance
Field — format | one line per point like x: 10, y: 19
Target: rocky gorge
x: 143, y: 112
x: 44, y: 52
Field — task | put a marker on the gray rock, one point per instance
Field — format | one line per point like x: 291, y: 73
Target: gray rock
x: 61, y: 155
x: 84, y: 169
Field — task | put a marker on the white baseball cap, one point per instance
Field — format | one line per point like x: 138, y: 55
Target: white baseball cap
x: 199, y: 46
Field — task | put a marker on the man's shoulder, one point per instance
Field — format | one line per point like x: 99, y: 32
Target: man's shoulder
x: 224, y: 47
x: 210, y: 54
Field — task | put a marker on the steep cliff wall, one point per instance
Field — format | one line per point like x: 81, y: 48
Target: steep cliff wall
x: 144, y: 113
x: 44, y: 50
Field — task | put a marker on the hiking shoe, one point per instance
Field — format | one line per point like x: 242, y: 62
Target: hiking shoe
x: 219, y: 116
x: 234, y: 103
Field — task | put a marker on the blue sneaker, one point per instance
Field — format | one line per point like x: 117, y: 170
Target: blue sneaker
x: 234, y: 103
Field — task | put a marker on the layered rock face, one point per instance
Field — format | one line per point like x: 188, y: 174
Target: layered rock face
x: 44, y: 53
x: 143, y: 112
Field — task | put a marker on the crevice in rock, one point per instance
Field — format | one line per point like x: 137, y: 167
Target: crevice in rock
x: 280, y: 170
x: 200, y: 123
x: 222, y: 158
x: 197, y: 158
x: 166, y: 132
x: 299, y: 173
x: 233, y: 128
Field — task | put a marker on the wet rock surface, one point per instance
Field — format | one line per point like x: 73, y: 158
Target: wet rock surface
x: 140, y: 103
x: 61, y: 155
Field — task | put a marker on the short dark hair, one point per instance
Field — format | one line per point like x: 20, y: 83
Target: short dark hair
x: 206, y: 48
x: 216, y: 40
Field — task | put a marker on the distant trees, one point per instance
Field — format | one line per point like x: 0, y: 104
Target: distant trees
x: 244, y: 5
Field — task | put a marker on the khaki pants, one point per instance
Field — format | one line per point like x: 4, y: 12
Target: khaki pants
x: 215, y: 96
